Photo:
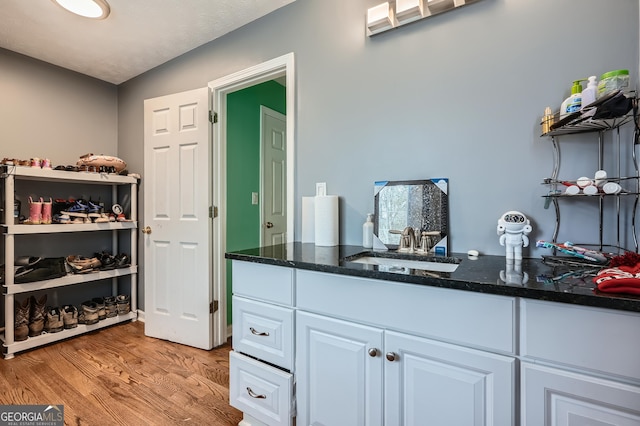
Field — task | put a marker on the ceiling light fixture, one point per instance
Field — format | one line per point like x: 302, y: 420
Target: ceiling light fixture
x: 94, y: 9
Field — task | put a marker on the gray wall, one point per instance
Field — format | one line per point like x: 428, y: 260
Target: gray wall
x: 458, y: 95
x: 50, y: 112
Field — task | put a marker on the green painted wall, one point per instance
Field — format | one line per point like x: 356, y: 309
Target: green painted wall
x: 243, y: 165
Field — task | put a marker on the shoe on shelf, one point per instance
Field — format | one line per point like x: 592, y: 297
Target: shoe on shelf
x: 93, y: 209
x: 102, y: 218
x: 88, y: 313
x: 122, y: 260
x: 21, y: 320
x: 61, y: 218
x: 78, y: 209
x: 107, y: 260
x: 70, y: 316
x: 81, y: 264
x: 37, y: 315
x: 110, y: 306
x: 35, y: 212
x: 123, y: 304
x: 53, y: 321
x: 46, y: 211
x: 102, y: 313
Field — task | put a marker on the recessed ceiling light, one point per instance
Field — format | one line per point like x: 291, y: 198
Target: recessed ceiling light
x: 94, y: 9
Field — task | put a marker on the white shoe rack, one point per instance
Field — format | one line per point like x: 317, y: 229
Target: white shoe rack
x: 12, y: 234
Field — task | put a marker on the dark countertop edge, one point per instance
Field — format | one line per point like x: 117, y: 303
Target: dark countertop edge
x: 613, y: 301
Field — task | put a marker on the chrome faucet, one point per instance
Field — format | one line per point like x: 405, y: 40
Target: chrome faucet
x: 414, y: 240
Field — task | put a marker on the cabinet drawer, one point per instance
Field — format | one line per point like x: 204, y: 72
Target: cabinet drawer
x: 265, y: 282
x: 263, y: 331
x: 602, y: 340
x: 472, y: 319
x: 260, y: 390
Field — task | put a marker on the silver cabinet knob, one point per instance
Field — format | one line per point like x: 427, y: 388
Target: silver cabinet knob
x: 373, y: 352
x: 392, y: 356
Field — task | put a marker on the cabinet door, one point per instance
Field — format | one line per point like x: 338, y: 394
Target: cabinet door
x: 434, y: 383
x: 339, y: 376
x: 556, y: 397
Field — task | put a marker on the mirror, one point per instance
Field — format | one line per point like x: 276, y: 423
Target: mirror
x: 420, y: 204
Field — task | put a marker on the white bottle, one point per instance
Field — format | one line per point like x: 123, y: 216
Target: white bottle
x: 589, y: 96
x: 367, y: 232
x: 573, y: 102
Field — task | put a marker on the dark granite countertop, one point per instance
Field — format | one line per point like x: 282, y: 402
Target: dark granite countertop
x: 533, y: 279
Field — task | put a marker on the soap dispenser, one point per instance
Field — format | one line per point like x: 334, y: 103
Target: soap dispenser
x: 589, y: 96
x: 573, y: 102
x: 367, y: 232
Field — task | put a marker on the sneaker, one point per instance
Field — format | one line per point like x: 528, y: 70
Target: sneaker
x: 94, y: 210
x: 21, y: 317
x: 89, y: 313
x: 102, y: 313
x: 123, y: 305
x: 110, y: 306
x: 37, y: 315
x: 122, y: 260
x: 70, y: 316
x: 61, y: 218
x: 78, y: 209
x: 53, y: 321
x: 102, y: 218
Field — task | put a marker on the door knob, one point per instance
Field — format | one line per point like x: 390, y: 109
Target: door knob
x: 391, y: 356
x: 269, y: 225
x: 146, y: 230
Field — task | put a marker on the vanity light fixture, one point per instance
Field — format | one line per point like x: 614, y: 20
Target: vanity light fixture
x: 389, y: 15
x: 94, y: 9
x: 380, y: 18
x: 408, y: 11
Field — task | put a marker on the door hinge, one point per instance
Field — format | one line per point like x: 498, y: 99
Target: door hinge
x: 213, y: 117
x: 213, y: 306
x: 213, y: 211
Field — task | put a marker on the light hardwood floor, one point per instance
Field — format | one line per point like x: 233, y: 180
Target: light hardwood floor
x: 118, y: 376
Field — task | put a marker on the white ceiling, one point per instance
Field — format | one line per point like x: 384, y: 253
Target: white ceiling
x: 137, y: 36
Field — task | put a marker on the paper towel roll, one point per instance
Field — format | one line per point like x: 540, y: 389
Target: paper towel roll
x: 308, y: 222
x: 326, y: 220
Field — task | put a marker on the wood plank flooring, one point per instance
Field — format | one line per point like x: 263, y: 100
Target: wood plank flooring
x: 118, y: 376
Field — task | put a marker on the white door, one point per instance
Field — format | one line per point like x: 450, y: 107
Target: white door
x: 273, y: 144
x: 338, y: 372
x: 434, y: 383
x: 177, y: 273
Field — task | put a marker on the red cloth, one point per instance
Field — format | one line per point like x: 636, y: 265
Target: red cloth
x: 621, y: 279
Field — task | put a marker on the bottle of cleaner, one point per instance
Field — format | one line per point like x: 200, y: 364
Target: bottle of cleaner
x: 367, y: 232
x: 573, y: 102
x: 589, y: 96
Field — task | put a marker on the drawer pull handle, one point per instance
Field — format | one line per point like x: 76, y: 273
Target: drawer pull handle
x: 258, y: 333
x: 252, y: 394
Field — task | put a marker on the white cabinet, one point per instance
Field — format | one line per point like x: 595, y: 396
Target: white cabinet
x: 339, y: 372
x: 553, y: 396
x: 360, y: 360
x: 260, y: 378
x: 581, y: 365
x: 47, y: 238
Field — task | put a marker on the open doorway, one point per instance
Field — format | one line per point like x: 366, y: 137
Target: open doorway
x: 281, y: 68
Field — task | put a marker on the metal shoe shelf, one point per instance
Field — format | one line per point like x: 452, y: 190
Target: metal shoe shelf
x: 556, y: 185
x: 12, y: 231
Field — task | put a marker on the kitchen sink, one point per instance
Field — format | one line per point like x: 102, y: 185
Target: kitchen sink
x: 391, y: 263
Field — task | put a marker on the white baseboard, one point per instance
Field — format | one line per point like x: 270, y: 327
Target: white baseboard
x: 140, y: 315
